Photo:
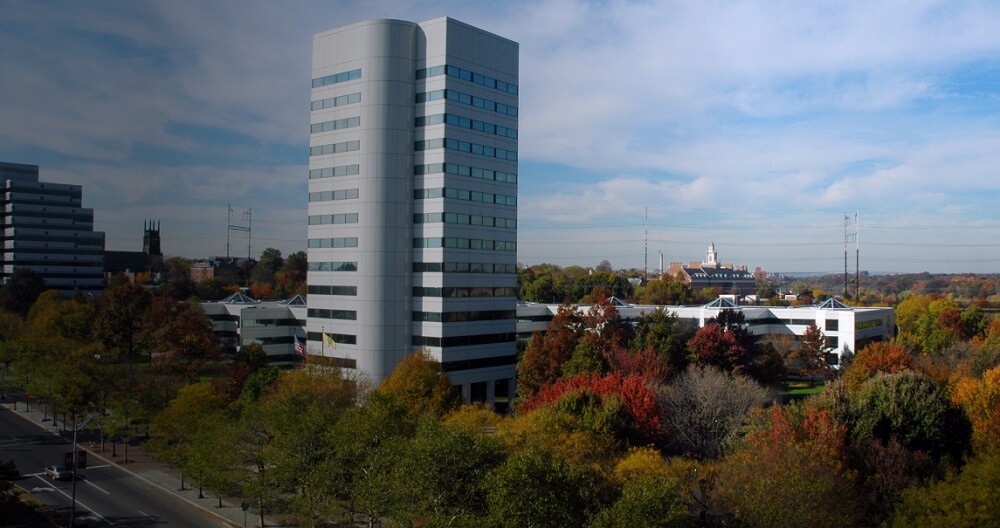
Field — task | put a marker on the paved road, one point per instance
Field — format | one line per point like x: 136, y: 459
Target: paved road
x: 106, y: 495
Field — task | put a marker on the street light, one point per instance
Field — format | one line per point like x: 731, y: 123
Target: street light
x: 76, y: 457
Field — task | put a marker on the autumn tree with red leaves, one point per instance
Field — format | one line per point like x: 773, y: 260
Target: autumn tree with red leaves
x: 632, y: 391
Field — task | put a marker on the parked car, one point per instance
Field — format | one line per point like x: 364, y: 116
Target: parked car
x: 58, y: 473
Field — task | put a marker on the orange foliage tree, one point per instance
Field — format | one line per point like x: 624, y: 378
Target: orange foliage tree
x: 981, y: 401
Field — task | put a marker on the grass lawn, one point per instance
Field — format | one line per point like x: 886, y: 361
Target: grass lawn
x: 798, y: 389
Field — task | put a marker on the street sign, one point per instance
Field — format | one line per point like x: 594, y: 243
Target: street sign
x: 81, y: 460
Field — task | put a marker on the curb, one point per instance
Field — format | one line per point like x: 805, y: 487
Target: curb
x: 48, y: 428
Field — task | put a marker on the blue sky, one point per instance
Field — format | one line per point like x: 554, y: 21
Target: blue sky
x: 754, y: 125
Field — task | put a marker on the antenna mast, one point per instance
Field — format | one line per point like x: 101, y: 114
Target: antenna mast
x: 241, y: 228
x: 857, y: 257
x: 645, y: 241
x: 847, y: 224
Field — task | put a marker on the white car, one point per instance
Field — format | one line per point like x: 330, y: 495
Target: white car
x: 58, y: 473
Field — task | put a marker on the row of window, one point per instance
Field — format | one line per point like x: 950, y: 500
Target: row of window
x: 463, y: 267
x: 333, y: 290
x: 333, y: 266
x: 464, y: 122
x: 464, y: 170
x: 463, y: 316
x: 336, y: 78
x: 275, y: 340
x: 338, y: 242
x: 340, y: 339
x: 320, y: 313
x: 471, y: 100
x: 465, y: 146
x: 453, y: 292
x: 333, y: 102
x: 327, y: 196
x: 464, y: 243
x: 343, y: 218
x: 464, y: 219
x: 462, y: 194
x: 336, y: 124
x: 336, y: 148
x: 330, y: 172
x: 457, y: 341
x: 466, y: 75
x: 255, y: 323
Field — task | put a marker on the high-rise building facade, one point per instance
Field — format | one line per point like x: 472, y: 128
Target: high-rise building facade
x: 413, y: 200
x: 46, y: 229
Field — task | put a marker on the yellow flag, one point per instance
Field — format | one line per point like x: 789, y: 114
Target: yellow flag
x: 328, y: 341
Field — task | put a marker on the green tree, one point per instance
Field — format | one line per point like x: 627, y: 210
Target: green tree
x: 173, y: 429
x: 439, y: 475
x: 914, y: 410
x: 537, y: 489
x: 666, y: 334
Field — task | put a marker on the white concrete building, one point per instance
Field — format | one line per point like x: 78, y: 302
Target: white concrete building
x: 847, y: 329
x: 46, y: 229
x: 239, y: 320
x: 413, y: 200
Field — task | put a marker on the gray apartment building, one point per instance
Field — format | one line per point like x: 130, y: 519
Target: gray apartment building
x: 46, y: 229
x: 412, y: 236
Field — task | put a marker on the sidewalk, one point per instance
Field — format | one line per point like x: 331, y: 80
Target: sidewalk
x: 142, y: 465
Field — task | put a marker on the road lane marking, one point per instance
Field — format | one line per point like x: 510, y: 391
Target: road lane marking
x: 106, y: 492
x: 82, y: 505
x: 145, y: 514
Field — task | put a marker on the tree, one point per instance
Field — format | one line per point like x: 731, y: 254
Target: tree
x: 666, y: 290
x: 704, y: 408
x: 213, y: 460
x: 981, y: 400
x: 286, y: 429
x: 179, y: 336
x: 172, y: 430
x: 666, y: 334
x: 539, y: 490
x: 789, y: 474
x: 915, y: 411
x: 543, y: 360
x: 585, y: 393
x: 439, y: 475
x: 877, y: 358
x: 21, y: 290
x: 119, y: 320
x: 420, y: 383
x: 653, y: 493
x: 809, y: 359
x: 967, y: 499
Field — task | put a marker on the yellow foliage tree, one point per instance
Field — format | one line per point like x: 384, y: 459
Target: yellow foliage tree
x: 981, y: 400
x: 420, y: 383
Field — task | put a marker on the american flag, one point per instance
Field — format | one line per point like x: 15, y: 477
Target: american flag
x: 300, y: 347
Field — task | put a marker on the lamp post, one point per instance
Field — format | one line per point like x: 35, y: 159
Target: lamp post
x: 76, y: 458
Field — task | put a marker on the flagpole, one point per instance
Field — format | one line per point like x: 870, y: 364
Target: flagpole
x: 322, y: 341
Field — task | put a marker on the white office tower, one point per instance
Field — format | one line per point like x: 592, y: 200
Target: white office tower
x: 413, y: 200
